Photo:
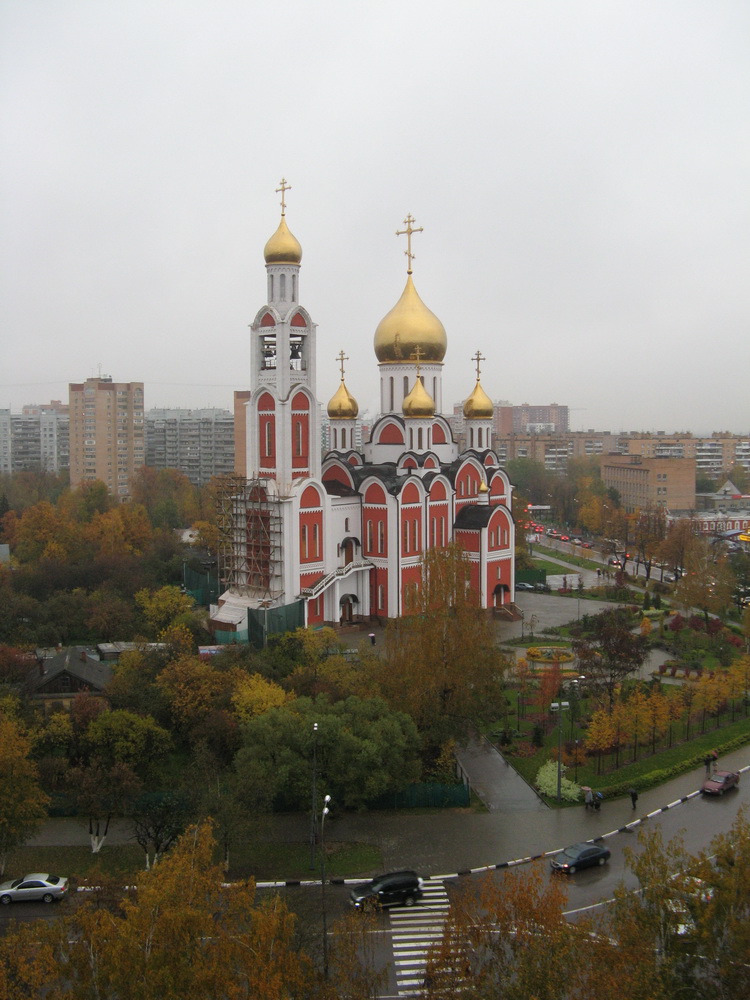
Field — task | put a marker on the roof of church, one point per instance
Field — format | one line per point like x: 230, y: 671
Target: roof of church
x: 474, y: 516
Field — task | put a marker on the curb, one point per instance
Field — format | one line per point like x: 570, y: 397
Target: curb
x: 463, y: 872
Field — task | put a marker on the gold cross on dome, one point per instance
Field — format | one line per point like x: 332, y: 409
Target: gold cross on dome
x: 283, y: 189
x: 407, y: 233
x: 478, y: 357
x: 341, y: 358
x: 417, y: 354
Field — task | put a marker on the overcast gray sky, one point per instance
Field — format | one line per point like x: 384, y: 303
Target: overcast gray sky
x: 580, y: 170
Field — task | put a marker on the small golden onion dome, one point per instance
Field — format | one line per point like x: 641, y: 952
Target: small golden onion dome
x: 419, y: 403
x: 484, y: 488
x: 410, y: 324
x: 283, y: 247
x: 342, y: 405
x: 479, y: 405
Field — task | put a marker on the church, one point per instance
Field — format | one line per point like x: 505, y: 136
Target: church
x: 312, y: 539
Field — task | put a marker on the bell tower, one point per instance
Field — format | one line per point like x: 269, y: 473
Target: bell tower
x: 283, y: 431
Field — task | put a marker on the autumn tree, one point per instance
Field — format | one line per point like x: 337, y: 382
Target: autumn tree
x: 441, y: 663
x: 649, y: 531
x: 123, y: 737
x: 678, y: 542
x: 23, y: 801
x: 180, y: 935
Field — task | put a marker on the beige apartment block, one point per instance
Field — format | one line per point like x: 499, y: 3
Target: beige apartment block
x: 107, y: 439
x: 714, y: 455
x: 646, y: 483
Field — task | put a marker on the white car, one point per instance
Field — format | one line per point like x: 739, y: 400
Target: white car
x: 38, y: 885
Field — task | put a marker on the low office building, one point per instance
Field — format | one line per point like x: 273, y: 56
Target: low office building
x: 648, y: 483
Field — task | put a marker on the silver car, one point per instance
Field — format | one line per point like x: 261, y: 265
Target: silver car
x: 38, y: 885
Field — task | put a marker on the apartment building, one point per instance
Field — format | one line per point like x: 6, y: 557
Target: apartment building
x: 646, y: 483
x: 36, y: 439
x: 200, y: 443
x: 107, y: 433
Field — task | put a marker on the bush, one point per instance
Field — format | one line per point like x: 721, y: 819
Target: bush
x: 546, y: 782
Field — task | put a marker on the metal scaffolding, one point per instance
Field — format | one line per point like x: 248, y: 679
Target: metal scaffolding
x: 250, y: 538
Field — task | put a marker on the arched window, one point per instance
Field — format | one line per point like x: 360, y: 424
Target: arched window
x: 416, y: 541
x: 343, y: 439
x: 282, y: 287
x: 298, y: 438
x: 381, y: 536
x: 270, y: 288
x: 268, y: 438
x: 434, y: 390
x: 346, y: 524
x: 406, y: 537
x: 419, y: 439
x: 294, y: 288
x: 316, y: 542
x: 303, y: 541
x: 381, y: 597
x: 369, y: 535
x: 406, y: 386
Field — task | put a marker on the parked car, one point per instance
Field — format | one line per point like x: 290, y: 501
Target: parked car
x: 578, y: 856
x: 685, y: 894
x: 388, y: 890
x: 38, y: 885
x: 525, y: 586
x: 542, y: 588
x: 720, y: 782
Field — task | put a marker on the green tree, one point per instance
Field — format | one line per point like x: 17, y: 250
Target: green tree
x: 162, y: 607
x: 364, y: 750
x: 125, y: 738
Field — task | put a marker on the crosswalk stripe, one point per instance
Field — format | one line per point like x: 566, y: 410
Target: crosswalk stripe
x: 415, y: 932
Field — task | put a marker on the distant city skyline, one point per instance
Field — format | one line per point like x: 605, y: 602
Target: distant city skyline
x: 580, y: 174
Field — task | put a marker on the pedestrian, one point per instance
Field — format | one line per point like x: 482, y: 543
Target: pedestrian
x: 708, y: 760
x: 589, y: 798
x: 598, y: 801
x: 633, y: 796
x: 714, y: 760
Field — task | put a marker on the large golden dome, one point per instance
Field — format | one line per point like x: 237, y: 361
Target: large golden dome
x: 283, y: 247
x: 419, y: 403
x: 479, y: 405
x: 342, y: 406
x: 410, y: 324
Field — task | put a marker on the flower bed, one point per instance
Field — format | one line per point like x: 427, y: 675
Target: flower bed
x: 549, y: 654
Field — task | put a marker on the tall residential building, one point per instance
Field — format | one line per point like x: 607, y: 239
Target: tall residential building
x: 199, y: 443
x: 35, y: 440
x: 107, y: 439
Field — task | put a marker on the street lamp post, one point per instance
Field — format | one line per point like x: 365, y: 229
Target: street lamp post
x: 313, y: 817
x: 559, y: 707
x: 323, y: 815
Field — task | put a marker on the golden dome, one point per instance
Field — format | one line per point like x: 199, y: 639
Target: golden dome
x: 419, y: 403
x: 410, y: 324
x: 283, y: 247
x: 342, y: 406
x: 484, y: 488
x: 479, y: 405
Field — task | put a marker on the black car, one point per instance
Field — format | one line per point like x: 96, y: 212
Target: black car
x: 578, y: 856
x: 387, y: 890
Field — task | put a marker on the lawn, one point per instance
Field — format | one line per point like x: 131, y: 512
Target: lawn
x: 648, y: 771
x: 265, y: 860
